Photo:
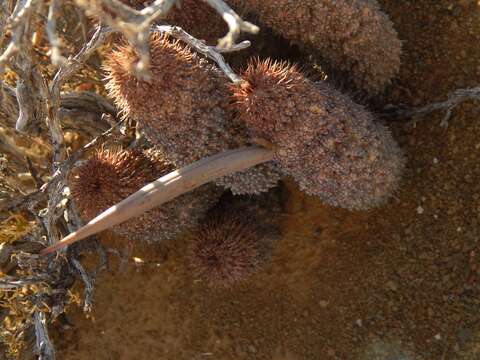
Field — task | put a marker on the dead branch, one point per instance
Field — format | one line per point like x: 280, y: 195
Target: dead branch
x: 235, y: 24
x: 88, y: 281
x: 133, y: 24
x: 212, y: 52
x: 44, y: 345
x: 51, y: 28
x: 453, y: 100
x: 17, y: 25
x: 31, y: 200
x: 64, y: 73
x: 79, y: 111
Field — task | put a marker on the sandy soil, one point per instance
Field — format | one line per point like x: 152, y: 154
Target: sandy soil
x: 400, y: 282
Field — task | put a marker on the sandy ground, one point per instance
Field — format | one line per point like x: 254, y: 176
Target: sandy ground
x: 399, y: 283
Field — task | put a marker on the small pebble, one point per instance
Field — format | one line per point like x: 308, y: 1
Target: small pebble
x: 420, y: 210
x: 323, y: 303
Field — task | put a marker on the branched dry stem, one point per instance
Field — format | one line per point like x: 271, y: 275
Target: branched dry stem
x: 61, y: 77
x: 17, y: 25
x: 235, y: 24
x: 212, y: 52
x: 453, y: 100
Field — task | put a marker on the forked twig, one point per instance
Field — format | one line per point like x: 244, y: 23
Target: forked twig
x: 212, y: 52
x: 453, y: 100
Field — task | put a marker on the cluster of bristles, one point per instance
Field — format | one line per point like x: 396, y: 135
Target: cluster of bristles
x: 226, y: 249
x: 330, y: 145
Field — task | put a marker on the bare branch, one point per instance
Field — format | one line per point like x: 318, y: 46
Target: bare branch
x: 454, y: 99
x: 25, y: 105
x: 235, y: 24
x: 17, y: 24
x: 88, y: 282
x: 44, y: 344
x: 32, y: 199
x: 51, y: 28
x: 64, y: 73
x: 10, y: 283
x: 211, y: 52
x: 133, y: 24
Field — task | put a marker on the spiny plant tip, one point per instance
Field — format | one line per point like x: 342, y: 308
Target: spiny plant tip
x: 225, y: 250
x: 267, y: 73
x: 108, y: 176
x: 265, y: 86
x: 90, y: 183
x: 167, y: 55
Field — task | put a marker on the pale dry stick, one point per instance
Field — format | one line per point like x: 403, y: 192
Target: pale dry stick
x: 211, y: 52
x: 235, y: 23
x: 63, y: 74
x: 16, y: 24
x: 11, y: 283
x: 56, y: 133
x: 454, y: 99
x: 168, y: 188
x: 89, y: 283
x: 79, y: 111
x: 51, y: 29
x: 43, y: 343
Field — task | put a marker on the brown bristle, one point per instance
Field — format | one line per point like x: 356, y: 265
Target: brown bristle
x: 106, y: 178
x: 226, y: 249
x: 183, y: 109
x: 111, y: 175
x: 259, y: 78
x: 331, y: 146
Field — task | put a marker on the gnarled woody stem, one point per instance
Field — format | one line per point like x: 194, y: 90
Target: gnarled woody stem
x: 168, y: 188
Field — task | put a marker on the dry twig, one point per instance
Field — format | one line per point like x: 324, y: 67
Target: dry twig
x: 212, y: 52
x: 453, y: 100
x: 44, y: 345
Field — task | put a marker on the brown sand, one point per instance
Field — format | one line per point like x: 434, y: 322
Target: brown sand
x: 399, y: 282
